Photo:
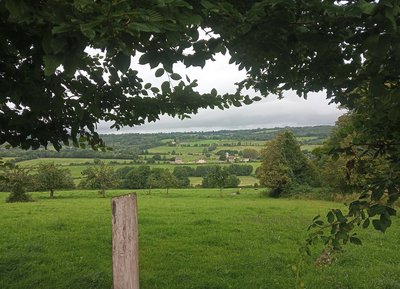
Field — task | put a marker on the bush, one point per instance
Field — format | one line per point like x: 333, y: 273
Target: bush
x: 16, y: 181
x: 18, y: 196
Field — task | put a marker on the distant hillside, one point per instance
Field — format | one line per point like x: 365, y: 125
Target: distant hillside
x: 131, y: 146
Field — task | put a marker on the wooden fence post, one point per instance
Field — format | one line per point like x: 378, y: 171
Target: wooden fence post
x: 125, y: 249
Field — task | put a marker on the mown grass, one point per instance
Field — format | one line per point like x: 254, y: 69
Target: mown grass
x: 188, y: 239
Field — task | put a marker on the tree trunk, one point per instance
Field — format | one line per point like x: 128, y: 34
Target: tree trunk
x: 51, y: 193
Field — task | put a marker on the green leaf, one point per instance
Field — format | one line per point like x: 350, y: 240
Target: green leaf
x: 366, y: 223
x: 339, y: 216
x: 355, y: 240
x: 342, y: 235
x: 147, y: 85
x: 88, y: 31
x: 316, y: 217
x: 122, y: 62
x: 247, y: 101
x: 51, y: 62
x: 377, y: 225
x: 319, y: 222
x: 214, y: 92
x: 17, y: 8
x: 155, y: 90
x: 391, y: 211
x: 165, y: 87
x: 331, y: 217
x: 145, y: 58
x: 159, y: 72
x: 175, y: 76
x: 366, y: 7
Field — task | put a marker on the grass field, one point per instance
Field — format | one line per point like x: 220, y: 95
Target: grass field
x: 188, y: 239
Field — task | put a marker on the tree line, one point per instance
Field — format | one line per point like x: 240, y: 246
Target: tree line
x: 102, y: 176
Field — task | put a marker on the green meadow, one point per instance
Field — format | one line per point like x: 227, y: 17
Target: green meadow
x: 188, y: 239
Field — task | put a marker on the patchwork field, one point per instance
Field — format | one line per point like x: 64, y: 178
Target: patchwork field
x: 188, y: 239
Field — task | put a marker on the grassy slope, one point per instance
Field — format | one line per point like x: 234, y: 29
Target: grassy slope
x: 189, y: 239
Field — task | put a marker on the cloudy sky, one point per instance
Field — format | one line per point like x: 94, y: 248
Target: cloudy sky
x: 269, y: 112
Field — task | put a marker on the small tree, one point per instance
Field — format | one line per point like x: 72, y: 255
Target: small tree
x: 136, y: 178
x: 250, y: 153
x: 16, y: 180
x: 161, y: 178
x: 182, y: 173
x: 100, y: 177
x: 216, y: 178
x: 50, y: 177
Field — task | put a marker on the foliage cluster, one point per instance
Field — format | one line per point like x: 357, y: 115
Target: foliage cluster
x: 49, y: 177
x: 285, y: 166
x: 220, y: 177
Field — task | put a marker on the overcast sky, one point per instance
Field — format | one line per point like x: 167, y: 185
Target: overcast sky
x: 269, y: 112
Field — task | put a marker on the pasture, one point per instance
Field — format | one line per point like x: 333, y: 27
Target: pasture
x: 188, y: 239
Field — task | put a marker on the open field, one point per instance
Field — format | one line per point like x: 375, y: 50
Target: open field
x: 188, y: 239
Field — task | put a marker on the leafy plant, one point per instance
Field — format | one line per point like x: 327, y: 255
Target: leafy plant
x: 51, y: 177
x: 101, y: 177
x: 16, y: 181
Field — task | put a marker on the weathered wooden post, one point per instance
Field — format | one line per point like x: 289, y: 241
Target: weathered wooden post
x: 125, y: 242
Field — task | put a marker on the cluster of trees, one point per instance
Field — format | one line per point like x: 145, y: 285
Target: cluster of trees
x: 102, y: 176
x: 220, y: 177
x: 144, y: 177
x: 48, y: 177
x: 204, y: 170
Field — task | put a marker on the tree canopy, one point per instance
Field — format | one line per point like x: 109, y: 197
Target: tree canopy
x: 53, y: 89
x: 51, y: 177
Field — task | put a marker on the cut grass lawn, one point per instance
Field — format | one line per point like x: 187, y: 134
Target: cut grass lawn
x: 188, y: 239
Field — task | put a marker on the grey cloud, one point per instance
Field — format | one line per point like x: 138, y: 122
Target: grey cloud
x: 269, y: 112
